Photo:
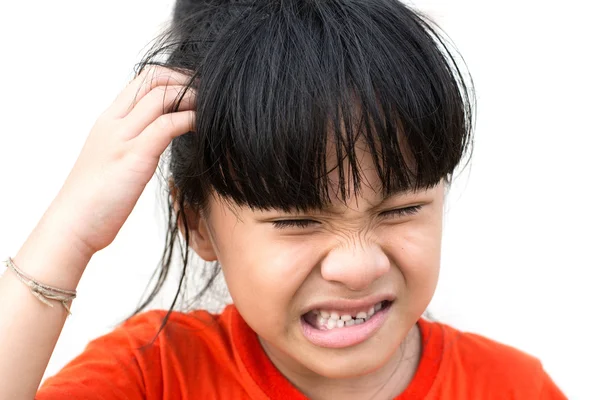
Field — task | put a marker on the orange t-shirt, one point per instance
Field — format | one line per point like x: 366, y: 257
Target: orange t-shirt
x: 203, y: 356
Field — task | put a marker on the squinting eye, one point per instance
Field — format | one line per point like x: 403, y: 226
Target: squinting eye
x: 401, y: 212
x: 293, y: 223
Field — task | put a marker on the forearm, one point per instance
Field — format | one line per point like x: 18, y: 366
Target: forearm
x: 30, y: 329
x: 118, y: 159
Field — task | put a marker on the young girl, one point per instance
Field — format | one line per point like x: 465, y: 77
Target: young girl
x: 311, y: 146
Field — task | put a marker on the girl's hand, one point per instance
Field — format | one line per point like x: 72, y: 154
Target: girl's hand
x: 120, y: 156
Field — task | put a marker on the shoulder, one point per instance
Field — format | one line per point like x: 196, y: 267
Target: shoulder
x: 489, y: 369
x: 482, y: 353
x: 144, y: 358
x: 173, y: 330
x: 186, y: 354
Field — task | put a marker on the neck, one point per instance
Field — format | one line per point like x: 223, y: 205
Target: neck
x: 387, y: 382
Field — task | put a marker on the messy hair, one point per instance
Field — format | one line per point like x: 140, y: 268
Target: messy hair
x: 285, y: 86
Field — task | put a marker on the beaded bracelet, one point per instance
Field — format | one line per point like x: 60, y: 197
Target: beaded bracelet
x: 42, y: 292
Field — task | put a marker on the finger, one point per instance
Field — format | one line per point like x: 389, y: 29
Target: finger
x: 159, y: 101
x: 139, y: 87
x: 154, y: 140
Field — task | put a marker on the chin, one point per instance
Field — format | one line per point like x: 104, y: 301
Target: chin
x: 347, y: 363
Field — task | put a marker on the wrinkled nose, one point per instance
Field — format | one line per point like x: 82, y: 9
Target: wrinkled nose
x: 356, y: 267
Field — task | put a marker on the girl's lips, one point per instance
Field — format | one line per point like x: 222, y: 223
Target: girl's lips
x: 347, y: 306
x: 338, y: 338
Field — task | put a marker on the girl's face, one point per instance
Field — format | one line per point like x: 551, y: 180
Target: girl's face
x: 294, y: 277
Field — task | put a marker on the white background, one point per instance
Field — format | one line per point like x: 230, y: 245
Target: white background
x: 520, y: 260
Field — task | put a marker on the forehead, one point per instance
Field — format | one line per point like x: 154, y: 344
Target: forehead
x: 359, y: 171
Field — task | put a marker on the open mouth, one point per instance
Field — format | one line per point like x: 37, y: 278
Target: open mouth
x: 338, y: 329
x: 327, y: 319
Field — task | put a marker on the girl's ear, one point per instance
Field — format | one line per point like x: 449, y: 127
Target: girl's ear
x: 199, y: 240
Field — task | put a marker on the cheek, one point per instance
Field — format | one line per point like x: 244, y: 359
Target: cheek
x: 416, y: 253
x: 420, y: 256
x: 263, y: 275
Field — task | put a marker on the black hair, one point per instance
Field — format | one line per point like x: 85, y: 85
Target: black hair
x: 282, y: 85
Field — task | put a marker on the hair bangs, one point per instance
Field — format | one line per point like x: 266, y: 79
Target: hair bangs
x: 288, y: 90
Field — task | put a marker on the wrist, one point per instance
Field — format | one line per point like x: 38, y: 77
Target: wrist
x: 53, y: 255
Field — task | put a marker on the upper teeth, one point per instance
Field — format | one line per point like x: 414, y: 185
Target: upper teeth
x: 333, y: 319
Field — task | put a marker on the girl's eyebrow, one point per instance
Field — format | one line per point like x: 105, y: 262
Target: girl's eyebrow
x: 400, y: 193
x: 339, y: 209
